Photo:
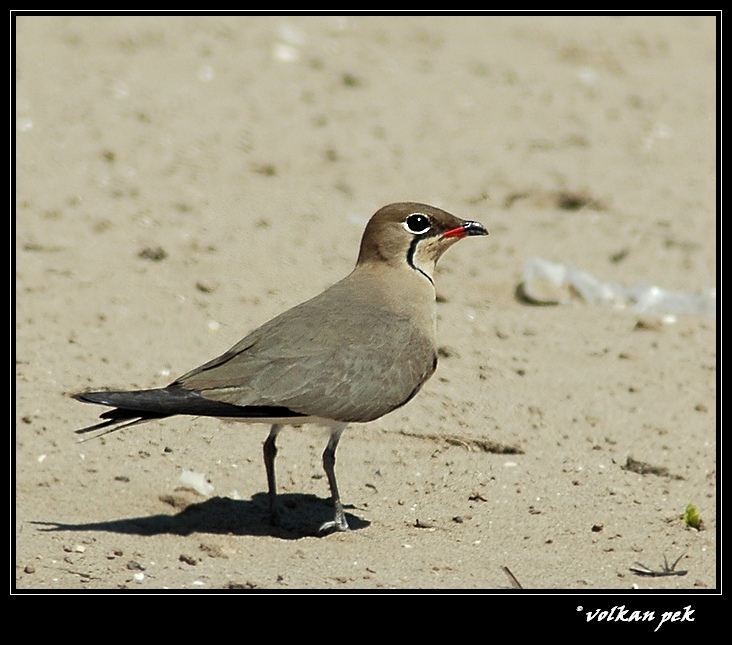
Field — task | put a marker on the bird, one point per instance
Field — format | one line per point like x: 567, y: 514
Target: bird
x: 362, y: 348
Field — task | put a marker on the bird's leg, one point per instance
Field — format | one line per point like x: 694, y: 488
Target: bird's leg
x: 339, y: 523
x: 270, y: 452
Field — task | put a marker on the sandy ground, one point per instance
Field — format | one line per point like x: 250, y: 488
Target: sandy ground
x: 182, y: 180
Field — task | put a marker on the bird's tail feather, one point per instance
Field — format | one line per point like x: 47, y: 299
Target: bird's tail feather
x: 116, y: 423
x: 137, y: 406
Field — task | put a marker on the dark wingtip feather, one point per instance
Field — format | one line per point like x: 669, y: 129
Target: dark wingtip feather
x: 171, y: 400
x: 119, y: 417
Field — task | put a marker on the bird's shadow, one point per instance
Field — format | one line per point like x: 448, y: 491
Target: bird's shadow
x: 300, y: 515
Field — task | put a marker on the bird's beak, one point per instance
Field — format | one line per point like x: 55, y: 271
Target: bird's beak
x: 465, y: 229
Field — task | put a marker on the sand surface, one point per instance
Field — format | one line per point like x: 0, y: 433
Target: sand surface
x: 182, y: 180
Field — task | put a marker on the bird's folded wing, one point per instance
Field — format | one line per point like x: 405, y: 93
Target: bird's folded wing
x: 352, y: 373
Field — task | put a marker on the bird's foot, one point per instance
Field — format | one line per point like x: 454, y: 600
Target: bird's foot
x: 334, y: 526
x: 338, y: 523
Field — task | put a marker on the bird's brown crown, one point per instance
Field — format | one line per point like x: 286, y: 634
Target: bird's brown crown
x: 412, y: 232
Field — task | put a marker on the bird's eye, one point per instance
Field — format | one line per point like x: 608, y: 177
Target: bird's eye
x: 417, y: 223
